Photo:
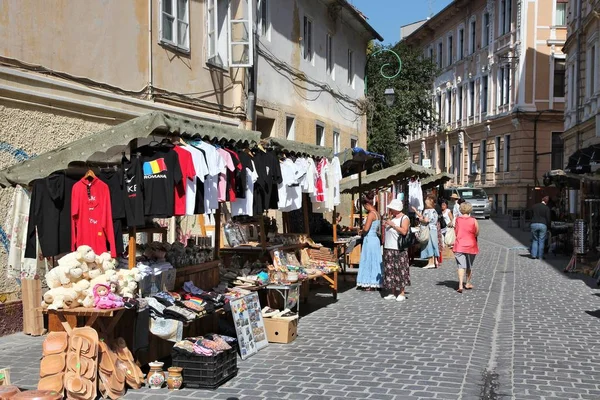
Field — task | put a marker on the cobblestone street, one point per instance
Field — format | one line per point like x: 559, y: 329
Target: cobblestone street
x: 527, y: 331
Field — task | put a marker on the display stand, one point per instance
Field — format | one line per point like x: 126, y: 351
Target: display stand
x: 91, y: 316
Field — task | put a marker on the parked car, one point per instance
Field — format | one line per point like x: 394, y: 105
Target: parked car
x: 476, y: 196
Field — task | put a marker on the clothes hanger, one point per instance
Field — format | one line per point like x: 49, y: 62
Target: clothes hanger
x: 153, y: 142
x: 89, y: 174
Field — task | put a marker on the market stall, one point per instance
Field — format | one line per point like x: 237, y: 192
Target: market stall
x: 380, y: 180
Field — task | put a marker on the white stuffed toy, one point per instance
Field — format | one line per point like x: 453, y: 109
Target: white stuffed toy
x: 58, y: 276
x: 94, y: 271
x: 128, y: 281
x: 81, y: 288
x: 60, y: 298
x: 87, y: 254
x: 106, y: 262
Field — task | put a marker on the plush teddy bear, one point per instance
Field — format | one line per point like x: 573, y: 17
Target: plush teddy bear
x: 60, y: 297
x: 106, y: 262
x: 94, y: 271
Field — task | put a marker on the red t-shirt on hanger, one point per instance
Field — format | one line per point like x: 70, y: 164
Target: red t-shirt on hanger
x: 188, y: 171
x: 91, y: 216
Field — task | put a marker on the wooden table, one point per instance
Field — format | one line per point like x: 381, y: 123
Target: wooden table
x: 91, y: 315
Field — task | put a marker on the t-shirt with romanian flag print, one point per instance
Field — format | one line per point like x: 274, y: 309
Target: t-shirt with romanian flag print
x: 162, y: 173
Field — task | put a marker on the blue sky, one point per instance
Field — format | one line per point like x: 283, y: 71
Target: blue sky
x: 387, y: 16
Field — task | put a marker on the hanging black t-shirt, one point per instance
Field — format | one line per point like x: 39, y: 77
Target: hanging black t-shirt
x: 162, y: 172
x: 274, y: 178
x: 114, y: 180
x: 50, y: 215
x: 133, y: 192
x: 260, y: 186
x: 246, y: 161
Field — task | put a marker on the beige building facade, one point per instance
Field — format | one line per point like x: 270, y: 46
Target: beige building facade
x: 499, y: 97
x: 582, y: 113
x: 72, y: 69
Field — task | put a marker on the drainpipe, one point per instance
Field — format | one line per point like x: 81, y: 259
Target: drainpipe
x: 253, y: 86
x: 578, y: 63
x: 150, y: 77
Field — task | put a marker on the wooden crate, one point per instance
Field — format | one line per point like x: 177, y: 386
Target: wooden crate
x: 33, y: 320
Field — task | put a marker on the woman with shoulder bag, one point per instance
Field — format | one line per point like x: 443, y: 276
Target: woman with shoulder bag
x: 396, y: 275
x: 429, y: 218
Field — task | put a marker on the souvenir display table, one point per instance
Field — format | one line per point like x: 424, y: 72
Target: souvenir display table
x: 91, y: 316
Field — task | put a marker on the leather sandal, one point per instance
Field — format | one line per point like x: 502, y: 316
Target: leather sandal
x: 133, y: 374
x: 112, y: 378
x: 55, y: 343
x: 53, y: 364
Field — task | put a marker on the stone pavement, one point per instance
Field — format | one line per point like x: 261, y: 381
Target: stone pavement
x: 527, y: 331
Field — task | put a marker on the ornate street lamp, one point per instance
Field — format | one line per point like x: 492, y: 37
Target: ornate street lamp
x: 389, y: 94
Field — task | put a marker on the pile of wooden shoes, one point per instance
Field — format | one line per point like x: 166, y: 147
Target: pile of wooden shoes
x: 81, y: 365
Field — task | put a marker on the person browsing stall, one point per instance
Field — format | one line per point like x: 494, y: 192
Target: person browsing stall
x: 396, y: 275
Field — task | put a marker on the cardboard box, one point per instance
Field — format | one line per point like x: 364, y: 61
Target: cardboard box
x: 281, y: 330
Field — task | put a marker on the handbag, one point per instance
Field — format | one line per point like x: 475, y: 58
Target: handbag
x: 406, y: 241
x: 450, y: 237
x: 423, y: 234
x: 442, y: 221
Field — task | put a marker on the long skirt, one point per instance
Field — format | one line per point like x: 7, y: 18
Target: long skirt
x: 371, y: 263
x: 396, y: 271
x: 431, y: 249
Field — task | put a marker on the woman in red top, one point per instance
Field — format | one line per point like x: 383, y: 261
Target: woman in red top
x: 465, y: 245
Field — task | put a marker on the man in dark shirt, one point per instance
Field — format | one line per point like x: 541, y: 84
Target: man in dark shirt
x: 540, y: 222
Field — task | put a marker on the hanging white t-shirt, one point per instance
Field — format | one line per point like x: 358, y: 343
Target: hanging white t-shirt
x: 246, y: 206
x: 415, y: 195
x: 201, y: 168
x: 287, y: 178
x: 293, y: 192
x: 301, y: 171
x: 215, y: 164
x: 336, y: 178
x: 311, y: 176
x: 321, y: 206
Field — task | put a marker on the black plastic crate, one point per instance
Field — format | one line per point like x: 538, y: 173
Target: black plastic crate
x: 206, y: 372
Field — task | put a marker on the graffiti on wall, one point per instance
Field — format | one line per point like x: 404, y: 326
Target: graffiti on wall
x: 19, y: 155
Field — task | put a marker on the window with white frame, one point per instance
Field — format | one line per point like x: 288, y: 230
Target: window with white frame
x: 473, y: 36
x: 483, y: 158
x: 336, y: 142
x: 353, y: 143
x: 485, y: 39
x: 307, y: 39
x: 504, y: 85
x: 350, y: 67
x: 450, y: 50
x: 439, y: 107
x: 592, y: 71
x: 484, y: 93
x: 461, y: 44
x: 431, y: 53
x: 264, y: 18
x: 506, y: 153
x: 497, y: 154
x: 459, y: 103
x: 472, y: 98
x: 175, y: 23
x: 320, y: 134
x: 229, y: 43
x: 560, y: 13
x: 290, y: 127
x: 558, y: 90
x: 440, y: 55
x: 329, y: 55
x: 505, y: 17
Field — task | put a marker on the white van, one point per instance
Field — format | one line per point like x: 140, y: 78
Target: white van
x: 476, y: 196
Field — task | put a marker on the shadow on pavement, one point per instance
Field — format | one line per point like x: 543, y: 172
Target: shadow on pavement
x: 449, y: 284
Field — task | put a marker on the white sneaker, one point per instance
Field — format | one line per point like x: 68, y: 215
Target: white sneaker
x: 401, y: 298
x: 429, y: 267
x: 390, y: 297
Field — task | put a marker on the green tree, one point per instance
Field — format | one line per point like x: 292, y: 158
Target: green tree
x: 388, y: 127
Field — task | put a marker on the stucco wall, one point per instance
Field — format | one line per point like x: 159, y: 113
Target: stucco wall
x: 25, y: 132
x: 304, y: 100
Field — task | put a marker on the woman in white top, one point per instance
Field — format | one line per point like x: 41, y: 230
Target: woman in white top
x: 448, y: 217
x: 396, y: 272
